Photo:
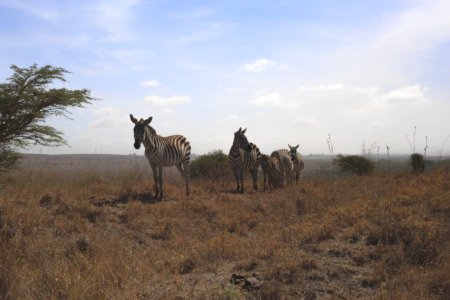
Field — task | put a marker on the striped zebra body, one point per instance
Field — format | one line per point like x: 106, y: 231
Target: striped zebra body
x: 244, y: 156
x: 174, y: 150
x: 299, y: 165
x: 272, y: 172
x: 297, y: 160
x: 286, y: 164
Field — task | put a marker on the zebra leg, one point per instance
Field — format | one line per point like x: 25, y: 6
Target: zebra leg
x: 155, y: 179
x: 241, y: 179
x: 264, y: 180
x: 183, y: 168
x: 236, y: 174
x: 187, y: 179
x: 254, y: 173
x: 160, y: 182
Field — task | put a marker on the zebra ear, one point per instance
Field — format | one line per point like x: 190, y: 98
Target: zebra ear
x: 133, y: 119
x: 290, y: 147
x: 243, y: 131
x: 296, y: 147
x: 146, y: 122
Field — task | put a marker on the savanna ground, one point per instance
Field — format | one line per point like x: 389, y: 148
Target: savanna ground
x: 85, y: 232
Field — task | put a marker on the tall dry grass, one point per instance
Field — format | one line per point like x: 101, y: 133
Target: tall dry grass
x: 98, y: 234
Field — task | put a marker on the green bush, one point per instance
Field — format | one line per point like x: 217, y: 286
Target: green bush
x: 214, y: 166
x: 8, y: 159
x: 356, y: 164
x: 417, y: 163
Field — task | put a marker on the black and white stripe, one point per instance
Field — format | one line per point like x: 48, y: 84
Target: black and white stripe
x: 297, y: 161
x: 174, y: 150
x: 286, y: 165
x: 271, y: 171
x: 244, y: 156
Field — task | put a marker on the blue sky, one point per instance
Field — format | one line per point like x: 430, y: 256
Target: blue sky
x: 289, y: 71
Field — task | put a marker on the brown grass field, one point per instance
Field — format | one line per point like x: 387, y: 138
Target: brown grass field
x: 95, y: 233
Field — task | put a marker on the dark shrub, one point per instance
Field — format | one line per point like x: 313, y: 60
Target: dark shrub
x: 417, y: 163
x: 213, y: 166
x: 356, y: 164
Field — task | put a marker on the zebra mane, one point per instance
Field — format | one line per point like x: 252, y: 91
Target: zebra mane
x: 264, y: 157
x: 258, y: 153
x: 152, y: 130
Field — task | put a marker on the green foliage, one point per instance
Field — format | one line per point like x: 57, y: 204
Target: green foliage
x: 25, y: 102
x: 8, y: 159
x: 417, y: 163
x: 356, y: 164
x: 214, y: 166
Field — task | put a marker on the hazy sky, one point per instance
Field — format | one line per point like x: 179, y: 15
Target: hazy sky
x: 289, y: 71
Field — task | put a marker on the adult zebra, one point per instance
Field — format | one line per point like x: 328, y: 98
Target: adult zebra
x: 244, y: 155
x: 286, y: 165
x: 297, y: 161
x: 174, y: 150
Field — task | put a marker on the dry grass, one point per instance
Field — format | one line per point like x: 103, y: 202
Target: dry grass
x: 99, y: 234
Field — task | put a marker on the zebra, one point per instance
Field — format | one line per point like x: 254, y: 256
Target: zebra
x: 286, y: 164
x: 271, y: 171
x: 244, y: 155
x: 297, y: 160
x: 174, y: 150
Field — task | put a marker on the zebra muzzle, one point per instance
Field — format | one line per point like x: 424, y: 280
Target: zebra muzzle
x: 137, y: 144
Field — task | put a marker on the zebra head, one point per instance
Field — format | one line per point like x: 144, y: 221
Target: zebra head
x: 139, y: 130
x: 264, y: 161
x: 293, y: 152
x: 241, y: 140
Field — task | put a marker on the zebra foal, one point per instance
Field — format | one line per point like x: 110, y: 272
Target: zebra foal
x: 286, y: 164
x: 244, y: 156
x: 174, y: 150
x: 271, y: 171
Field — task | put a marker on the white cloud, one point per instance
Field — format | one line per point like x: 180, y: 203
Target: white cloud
x: 396, y: 51
x: 405, y: 95
x: 258, y: 65
x: 230, y: 119
x: 273, y: 99
x: 162, y: 101
x: 109, y: 119
x: 166, y: 111
x: 47, y: 13
x: 150, y: 83
x: 417, y: 30
x: 306, y: 121
x: 205, y: 33
x: 113, y: 18
x: 198, y: 12
x: 336, y: 87
x: 399, y: 98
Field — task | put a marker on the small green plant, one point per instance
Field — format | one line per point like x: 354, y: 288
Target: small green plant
x: 214, y: 166
x: 417, y: 163
x: 229, y: 292
x: 356, y: 164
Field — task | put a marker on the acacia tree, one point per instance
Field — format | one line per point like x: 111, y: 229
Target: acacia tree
x: 25, y: 102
